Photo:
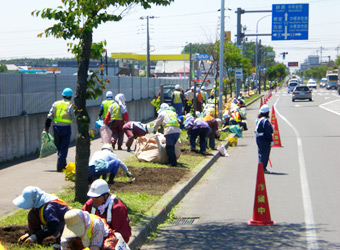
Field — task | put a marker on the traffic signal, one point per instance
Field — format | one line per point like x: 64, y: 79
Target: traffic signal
x: 284, y: 55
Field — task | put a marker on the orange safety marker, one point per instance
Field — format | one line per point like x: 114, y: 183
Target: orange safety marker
x: 270, y: 162
x: 261, y: 213
x: 261, y: 101
x: 273, y: 116
x: 276, y: 135
x: 2, y: 247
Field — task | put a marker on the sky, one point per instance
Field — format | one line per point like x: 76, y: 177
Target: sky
x: 174, y: 26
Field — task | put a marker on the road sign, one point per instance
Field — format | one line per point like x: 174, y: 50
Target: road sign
x: 293, y: 64
x: 227, y: 36
x: 290, y: 21
x: 202, y: 57
x: 238, y: 73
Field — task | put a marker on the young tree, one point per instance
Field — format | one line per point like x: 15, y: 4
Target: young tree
x: 76, y: 20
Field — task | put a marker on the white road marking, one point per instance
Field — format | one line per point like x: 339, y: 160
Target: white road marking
x: 311, y: 236
x: 332, y: 106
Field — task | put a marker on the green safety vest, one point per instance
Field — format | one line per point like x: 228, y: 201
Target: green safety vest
x: 106, y: 106
x: 173, y: 119
x: 116, y: 114
x: 177, y: 97
x: 61, y: 112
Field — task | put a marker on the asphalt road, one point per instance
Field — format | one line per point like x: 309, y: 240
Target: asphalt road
x: 302, y: 191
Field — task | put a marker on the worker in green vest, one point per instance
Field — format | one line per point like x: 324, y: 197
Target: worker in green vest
x: 61, y: 113
x: 105, y: 105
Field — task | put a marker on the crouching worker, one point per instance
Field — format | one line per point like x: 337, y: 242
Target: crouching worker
x: 237, y: 119
x: 105, y: 162
x: 198, y: 128
x: 134, y: 130
x: 83, y: 231
x: 213, y: 131
x: 109, y: 208
x: 46, y: 215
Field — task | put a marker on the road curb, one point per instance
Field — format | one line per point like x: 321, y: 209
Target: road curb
x: 142, y: 232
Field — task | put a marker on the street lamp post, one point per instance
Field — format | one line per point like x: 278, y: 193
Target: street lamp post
x: 256, y: 53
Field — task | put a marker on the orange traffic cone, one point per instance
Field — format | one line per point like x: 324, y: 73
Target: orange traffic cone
x: 276, y: 135
x: 261, y: 101
x: 261, y: 213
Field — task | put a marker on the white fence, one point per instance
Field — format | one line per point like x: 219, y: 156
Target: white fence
x: 33, y: 94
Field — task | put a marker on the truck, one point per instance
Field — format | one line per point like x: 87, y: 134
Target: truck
x: 332, y: 79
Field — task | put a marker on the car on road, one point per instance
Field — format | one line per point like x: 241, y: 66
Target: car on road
x: 291, y: 85
x: 331, y: 85
x: 311, y: 83
x: 323, y: 82
x: 302, y: 92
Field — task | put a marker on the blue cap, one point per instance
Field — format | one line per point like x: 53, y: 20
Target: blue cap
x: 67, y: 92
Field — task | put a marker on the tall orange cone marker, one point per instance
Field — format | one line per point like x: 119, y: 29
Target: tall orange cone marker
x: 276, y: 135
x: 270, y: 162
x: 261, y: 101
x: 261, y: 213
x: 273, y: 116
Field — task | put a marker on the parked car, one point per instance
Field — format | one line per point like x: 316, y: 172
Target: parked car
x: 301, y: 93
x: 167, y: 92
x: 311, y: 83
x: 291, y: 85
x: 323, y: 83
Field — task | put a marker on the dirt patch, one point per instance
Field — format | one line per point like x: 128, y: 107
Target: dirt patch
x: 9, y: 236
x: 154, y: 181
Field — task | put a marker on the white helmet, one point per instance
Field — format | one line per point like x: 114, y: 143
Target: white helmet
x: 109, y: 94
x: 203, y: 88
x: 225, y: 115
x: 98, y: 187
x: 264, y: 109
x: 150, y: 128
x: 164, y: 106
x: 177, y: 86
x: 218, y: 121
x: 107, y: 146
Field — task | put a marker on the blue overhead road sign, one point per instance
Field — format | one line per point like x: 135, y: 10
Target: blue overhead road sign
x: 290, y: 21
x: 202, y: 57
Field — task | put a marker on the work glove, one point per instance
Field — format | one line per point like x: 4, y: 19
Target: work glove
x: 128, y: 174
x: 23, y: 238
x: 30, y: 240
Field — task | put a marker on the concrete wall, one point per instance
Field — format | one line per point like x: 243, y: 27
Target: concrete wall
x: 21, y: 135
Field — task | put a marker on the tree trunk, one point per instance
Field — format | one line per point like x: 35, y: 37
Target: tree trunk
x: 83, y: 121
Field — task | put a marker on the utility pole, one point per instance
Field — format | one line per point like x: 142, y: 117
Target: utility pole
x: 221, y: 62
x: 240, y: 35
x: 190, y: 66
x: 321, y: 55
x: 147, y: 45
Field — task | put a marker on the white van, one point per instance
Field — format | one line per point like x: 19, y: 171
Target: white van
x: 291, y: 85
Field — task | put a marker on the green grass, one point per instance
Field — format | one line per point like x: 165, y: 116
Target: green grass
x: 249, y: 99
x: 138, y: 204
